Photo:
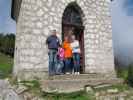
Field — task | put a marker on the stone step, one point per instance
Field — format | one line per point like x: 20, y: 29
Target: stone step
x: 75, y: 77
x: 70, y: 85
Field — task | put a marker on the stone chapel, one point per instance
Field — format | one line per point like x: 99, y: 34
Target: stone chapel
x: 89, y: 19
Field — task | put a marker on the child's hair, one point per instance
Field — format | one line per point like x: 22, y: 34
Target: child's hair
x: 60, y: 45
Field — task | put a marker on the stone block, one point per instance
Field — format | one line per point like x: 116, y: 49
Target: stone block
x: 40, y: 12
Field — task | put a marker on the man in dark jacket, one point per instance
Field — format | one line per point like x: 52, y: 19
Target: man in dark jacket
x: 53, y: 44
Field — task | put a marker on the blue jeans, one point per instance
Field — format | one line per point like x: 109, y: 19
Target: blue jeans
x: 76, y: 61
x: 52, y: 61
x: 59, y: 67
x: 68, y: 65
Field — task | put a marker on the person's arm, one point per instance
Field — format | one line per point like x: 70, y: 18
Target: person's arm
x: 78, y: 44
x: 47, y: 41
x: 79, y: 47
x: 71, y: 44
x: 59, y: 42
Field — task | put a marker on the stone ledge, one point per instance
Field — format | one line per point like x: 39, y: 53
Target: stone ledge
x: 82, y: 76
x: 73, y: 85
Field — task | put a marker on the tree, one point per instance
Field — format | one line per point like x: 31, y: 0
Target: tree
x: 7, y: 44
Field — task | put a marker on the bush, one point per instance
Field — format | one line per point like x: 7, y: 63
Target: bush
x: 122, y: 73
x: 130, y: 75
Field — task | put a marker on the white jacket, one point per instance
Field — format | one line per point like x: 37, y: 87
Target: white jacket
x: 75, y: 46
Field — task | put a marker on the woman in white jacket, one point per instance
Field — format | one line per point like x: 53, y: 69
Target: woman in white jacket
x: 76, y: 54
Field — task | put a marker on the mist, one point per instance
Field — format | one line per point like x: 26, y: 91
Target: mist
x: 122, y: 25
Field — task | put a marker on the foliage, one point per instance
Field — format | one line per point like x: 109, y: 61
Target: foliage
x: 121, y: 69
x: 122, y: 73
x: 130, y: 75
x: 7, y: 44
x: 6, y: 64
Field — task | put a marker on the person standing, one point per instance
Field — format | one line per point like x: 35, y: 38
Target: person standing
x: 53, y: 45
x: 68, y: 55
x: 60, y: 66
x: 76, y: 54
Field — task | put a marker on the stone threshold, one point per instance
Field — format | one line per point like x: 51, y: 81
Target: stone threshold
x: 73, y: 83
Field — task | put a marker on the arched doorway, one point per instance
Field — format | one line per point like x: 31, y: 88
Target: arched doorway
x: 72, y: 21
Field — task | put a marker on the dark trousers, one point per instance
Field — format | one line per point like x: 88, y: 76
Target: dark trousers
x: 68, y: 65
x: 76, y: 62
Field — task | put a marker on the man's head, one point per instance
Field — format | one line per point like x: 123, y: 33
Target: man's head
x: 54, y: 32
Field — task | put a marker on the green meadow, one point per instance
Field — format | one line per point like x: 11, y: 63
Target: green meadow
x: 6, y: 65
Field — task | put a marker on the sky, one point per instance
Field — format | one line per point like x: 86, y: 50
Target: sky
x: 122, y: 26
x: 7, y: 25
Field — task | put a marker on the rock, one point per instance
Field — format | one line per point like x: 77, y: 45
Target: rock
x: 97, y: 94
x: 1, y: 98
x: 10, y: 95
x: 121, y: 98
x: 88, y: 89
x: 102, y: 86
x: 4, y: 84
x: 21, y: 89
x: 41, y: 99
x: 112, y: 91
x: 7, y: 92
x: 103, y: 93
x: 28, y: 96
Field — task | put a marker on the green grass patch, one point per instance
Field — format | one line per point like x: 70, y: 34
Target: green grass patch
x: 120, y: 87
x: 34, y: 84
x: 6, y: 65
x: 33, y: 87
x: 81, y: 95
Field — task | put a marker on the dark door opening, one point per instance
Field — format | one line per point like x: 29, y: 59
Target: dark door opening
x: 72, y: 21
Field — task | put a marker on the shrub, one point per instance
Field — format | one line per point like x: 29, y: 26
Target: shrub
x: 130, y: 75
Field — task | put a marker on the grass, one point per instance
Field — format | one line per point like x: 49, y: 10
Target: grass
x: 119, y: 87
x: 33, y: 86
x: 6, y: 64
x: 81, y: 95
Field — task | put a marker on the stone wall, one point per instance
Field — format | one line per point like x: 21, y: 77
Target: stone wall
x: 38, y: 17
